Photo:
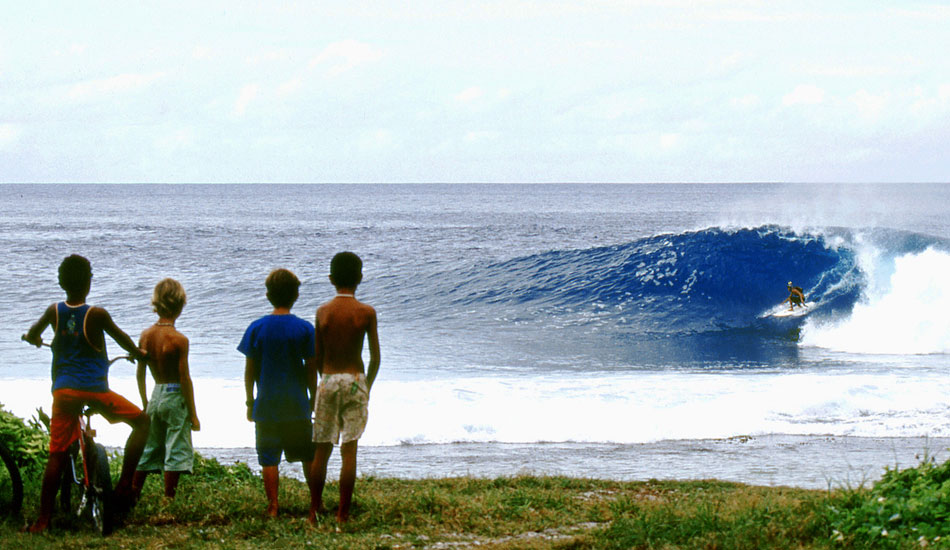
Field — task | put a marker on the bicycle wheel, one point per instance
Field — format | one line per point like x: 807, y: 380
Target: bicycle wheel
x: 99, y: 497
x: 11, y: 485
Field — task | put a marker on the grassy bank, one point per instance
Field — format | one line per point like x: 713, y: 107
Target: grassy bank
x: 220, y: 507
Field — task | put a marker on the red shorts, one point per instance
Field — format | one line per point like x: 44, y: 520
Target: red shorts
x: 68, y: 403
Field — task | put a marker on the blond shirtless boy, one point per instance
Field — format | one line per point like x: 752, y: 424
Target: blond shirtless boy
x: 172, y: 407
x: 343, y: 396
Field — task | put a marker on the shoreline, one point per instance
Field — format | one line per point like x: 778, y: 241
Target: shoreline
x: 806, y: 462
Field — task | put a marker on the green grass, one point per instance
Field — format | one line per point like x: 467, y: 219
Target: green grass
x: 221, y: 507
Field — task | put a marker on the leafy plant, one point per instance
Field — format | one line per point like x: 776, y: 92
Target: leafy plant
x: 910, y: 506
x: 28, y: 440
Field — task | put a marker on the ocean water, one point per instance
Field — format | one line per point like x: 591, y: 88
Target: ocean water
x: 596, y: 330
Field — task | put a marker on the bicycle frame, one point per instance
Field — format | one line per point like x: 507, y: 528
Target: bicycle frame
x: 85, y: 431
x: 95, y: 483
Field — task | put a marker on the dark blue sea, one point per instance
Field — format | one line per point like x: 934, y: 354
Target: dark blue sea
x: 620, y: 331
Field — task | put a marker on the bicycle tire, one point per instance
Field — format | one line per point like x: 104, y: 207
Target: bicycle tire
x: 11, y: 484
x: 101, y: 488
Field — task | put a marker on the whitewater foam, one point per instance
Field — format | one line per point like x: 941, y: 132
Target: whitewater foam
x: 903, y: 310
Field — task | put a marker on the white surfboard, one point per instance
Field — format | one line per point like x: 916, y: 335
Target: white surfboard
x: 783, y: 311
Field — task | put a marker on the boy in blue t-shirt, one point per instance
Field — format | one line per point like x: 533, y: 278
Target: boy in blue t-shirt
x: 280, y: 359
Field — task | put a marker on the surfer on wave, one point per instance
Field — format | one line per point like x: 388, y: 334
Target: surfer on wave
x: 796, y: 296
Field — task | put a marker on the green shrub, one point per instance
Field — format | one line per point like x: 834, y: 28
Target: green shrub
x: 905, y: 506
x: 28, y: 440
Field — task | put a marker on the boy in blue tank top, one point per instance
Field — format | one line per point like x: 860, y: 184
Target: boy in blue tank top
x: 279, y: 354
x: 80, y: 377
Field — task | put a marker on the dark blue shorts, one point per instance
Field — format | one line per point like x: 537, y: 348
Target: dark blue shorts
x: 293, y: 439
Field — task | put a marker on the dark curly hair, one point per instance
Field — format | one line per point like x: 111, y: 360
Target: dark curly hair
x: 75, y: 274
x: 346, y: 269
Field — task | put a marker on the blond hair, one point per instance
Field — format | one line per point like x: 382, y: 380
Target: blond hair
x: 169, y: 298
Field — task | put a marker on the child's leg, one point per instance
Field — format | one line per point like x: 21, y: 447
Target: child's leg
x: 133, y: 452
x: 347, y: 480
x: 138, y: 481
x: 117, y: 408
x: 51, y: 476
x: 64, y: 430
x: 271, y: 485
x: 318, y: 478
x: 171, y: 483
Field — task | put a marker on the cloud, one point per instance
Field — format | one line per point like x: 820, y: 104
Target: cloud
x: 853, y: 71
x: 804, y: 94
x: 269, y: 56
x: 669, y: 141
x: 746, y: 101
x: 469, y: 95
x: 127, y: 82
x: 245, y: 97
x: 345, y: 56
x: 9, y: 134
x: 183, y: 138
x: 376, y: 140
x: 732, y: 60
x: 202, y: 53
x: 870, y: 106
x: 290, y: 86
x: 481, y: 137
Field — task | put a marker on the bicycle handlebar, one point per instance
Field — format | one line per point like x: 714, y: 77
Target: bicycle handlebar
x: 111, y: 361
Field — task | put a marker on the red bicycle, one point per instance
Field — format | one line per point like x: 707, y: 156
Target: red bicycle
x: 88, y: 471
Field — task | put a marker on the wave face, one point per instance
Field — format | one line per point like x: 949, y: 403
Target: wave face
x: 716, y: 286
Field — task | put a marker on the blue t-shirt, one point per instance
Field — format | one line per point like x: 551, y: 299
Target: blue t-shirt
x: 280, y: 344
x: 77, y: 364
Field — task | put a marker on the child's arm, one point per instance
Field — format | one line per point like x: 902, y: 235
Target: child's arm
x: 374, y: 357
x: 310, y: 364
x: 187, y: 388
x: 35, y: 334
x: 117, y: 334
x: 318, y: 343
x: 140, y: 377
x: 250, y: 376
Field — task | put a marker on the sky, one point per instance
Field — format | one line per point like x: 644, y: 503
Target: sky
x: 475, y: 91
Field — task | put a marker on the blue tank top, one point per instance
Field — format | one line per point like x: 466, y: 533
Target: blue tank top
x: 77, y: 364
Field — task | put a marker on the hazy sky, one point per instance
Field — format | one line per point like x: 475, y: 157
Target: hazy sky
x: 458, y: 91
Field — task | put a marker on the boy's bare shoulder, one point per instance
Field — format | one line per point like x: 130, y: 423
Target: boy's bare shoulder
x: 156, y: 333
x: 334, y: 307
x: 176, y: 338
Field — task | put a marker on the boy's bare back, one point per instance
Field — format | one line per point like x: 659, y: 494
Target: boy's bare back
x: 167, y: 353
x: 341, y: 325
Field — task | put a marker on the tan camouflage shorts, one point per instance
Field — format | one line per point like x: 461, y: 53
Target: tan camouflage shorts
x: 341, y: 409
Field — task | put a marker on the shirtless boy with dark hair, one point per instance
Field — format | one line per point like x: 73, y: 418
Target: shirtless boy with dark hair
x: 80, y: 377
x: 172, y: 408
x: 343, y: 395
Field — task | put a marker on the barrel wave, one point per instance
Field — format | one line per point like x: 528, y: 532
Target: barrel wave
x: 704, y: 295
